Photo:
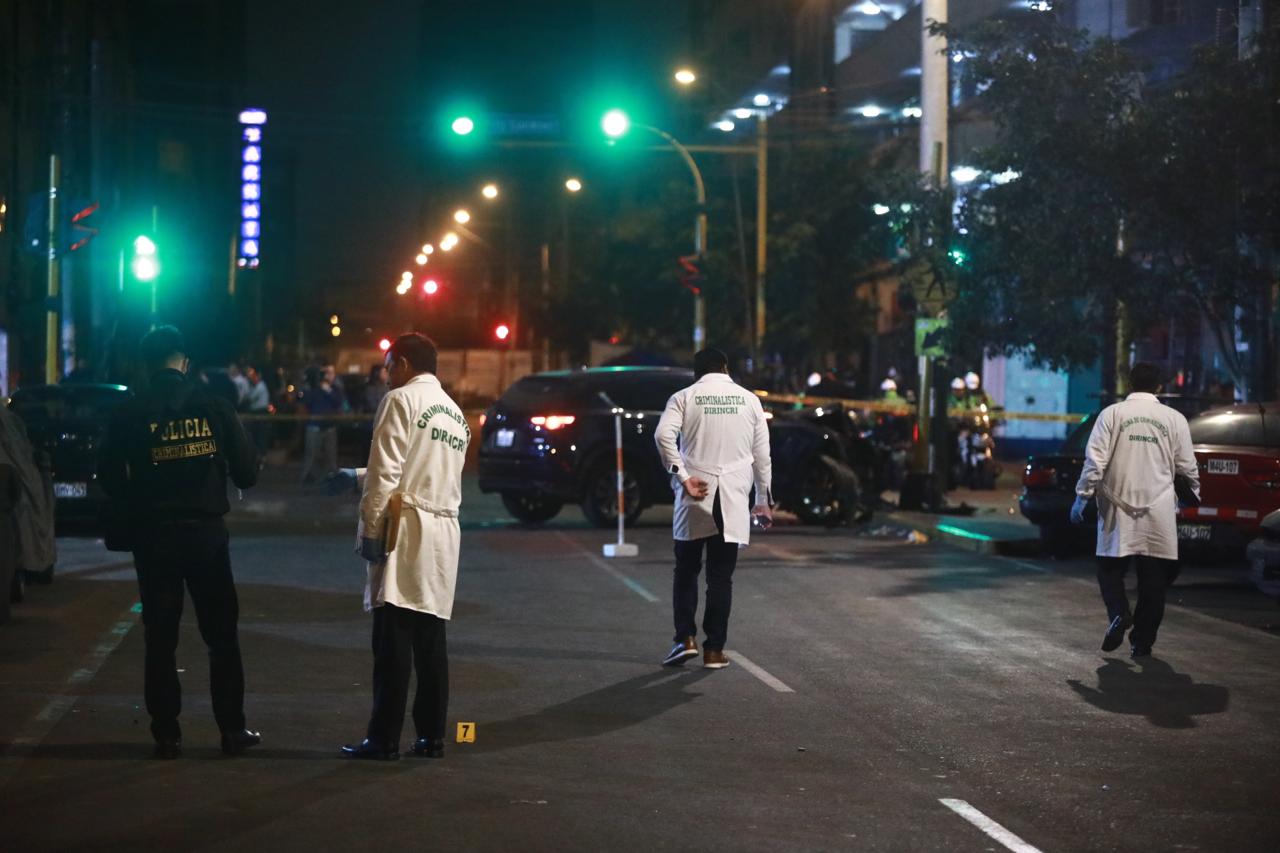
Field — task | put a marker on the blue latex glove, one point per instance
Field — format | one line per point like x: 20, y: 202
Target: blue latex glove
x: 371, y: 550
x: 341, y: 482
x: 1077, y: 510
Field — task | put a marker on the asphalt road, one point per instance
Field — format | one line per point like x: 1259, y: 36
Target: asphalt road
x: 882, y: 696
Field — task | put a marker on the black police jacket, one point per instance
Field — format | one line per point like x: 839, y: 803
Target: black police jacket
x: 169, y: 450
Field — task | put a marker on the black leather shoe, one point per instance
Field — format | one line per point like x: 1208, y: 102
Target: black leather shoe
x: 234, y: 743
x: 168, y: 747
x: 1115, y: 633
x: 369, y: 750
x: 429, y: 747
x: 1140, y: 652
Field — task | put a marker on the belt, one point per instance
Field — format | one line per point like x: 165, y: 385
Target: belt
x: 428, y: 507
x: 718, y: 470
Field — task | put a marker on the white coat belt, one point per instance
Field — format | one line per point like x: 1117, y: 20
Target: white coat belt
x: 428, y: 507
x: 1130, y: 509
x: 717, y: 470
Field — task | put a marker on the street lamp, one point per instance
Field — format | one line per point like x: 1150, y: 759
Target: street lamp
x: 421, y: 259
x: 573, y: 185
x: 489, y: 191
x: 462, y: 217
x: 448, y: 241
x: 686, y: 77
x: 616, y: 123
x: 427, y: 248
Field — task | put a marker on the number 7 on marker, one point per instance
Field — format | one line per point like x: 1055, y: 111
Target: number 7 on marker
x: 466, y: 732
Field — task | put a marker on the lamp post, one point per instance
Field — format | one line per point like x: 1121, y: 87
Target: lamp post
x: 616, y: 124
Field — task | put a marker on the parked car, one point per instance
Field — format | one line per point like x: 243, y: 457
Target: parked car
x: 549, y: 440
x: 1264, y: 556
x: 1237, y: 451
x: 69, y: 422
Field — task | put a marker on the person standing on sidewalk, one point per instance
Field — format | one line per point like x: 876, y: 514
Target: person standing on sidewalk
x: 413, y: 485
x: 164, y: 465
x: 1135, y: 451
x: 723, y: 448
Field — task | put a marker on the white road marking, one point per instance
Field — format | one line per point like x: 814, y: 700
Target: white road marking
x: 57, y: 707
x: 758, y: 671
x: 599, y: 562
x: 989, y: 826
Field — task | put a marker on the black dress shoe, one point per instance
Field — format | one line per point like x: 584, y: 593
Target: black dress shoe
x: 1115, y: 633
x: 234, y: 743
x: 369, y: 750
x: 168, y: 747
x: 429, y: 747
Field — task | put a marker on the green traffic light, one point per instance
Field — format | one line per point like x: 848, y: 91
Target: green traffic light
x: 463, y: 125
x: 615, y: 123
x: 146, y: 263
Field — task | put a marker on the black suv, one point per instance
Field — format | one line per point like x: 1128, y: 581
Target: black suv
x: 68, y: 422
x: 549, y: 440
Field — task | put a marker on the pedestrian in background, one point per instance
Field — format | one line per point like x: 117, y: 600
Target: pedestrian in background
x: 164, y: 465
x: 1136, y: 449
x: 723, y: 448
x: 257, y: 402
x: 322, y: 400
x: 413, y: 486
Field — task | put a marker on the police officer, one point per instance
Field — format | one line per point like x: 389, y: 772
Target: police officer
x: 164, y: 464
x: 413, y: 483
x: 723, y: 449
x: 1136, y: 449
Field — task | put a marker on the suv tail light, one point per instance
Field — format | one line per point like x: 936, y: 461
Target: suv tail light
x: 1039, y: 477
x: 552, y: 422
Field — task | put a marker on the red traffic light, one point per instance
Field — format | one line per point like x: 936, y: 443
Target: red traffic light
x: 384, y: 344
x: 502, y: 331
x: 430, y: 287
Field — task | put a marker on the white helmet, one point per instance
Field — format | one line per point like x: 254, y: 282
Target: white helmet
x: 888, y: 385
x: 972, y: 381
x: 957, y: 384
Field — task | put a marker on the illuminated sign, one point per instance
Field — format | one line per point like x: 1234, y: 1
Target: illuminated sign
x: 251, y: 122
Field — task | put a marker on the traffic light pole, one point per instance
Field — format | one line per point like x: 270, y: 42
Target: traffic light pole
x: 762, y: 226
x: 53, y: 276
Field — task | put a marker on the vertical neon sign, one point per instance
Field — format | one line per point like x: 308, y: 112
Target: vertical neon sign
x: 251, y: 122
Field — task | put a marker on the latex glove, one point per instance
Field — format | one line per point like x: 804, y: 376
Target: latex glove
x: 371, y: 550
x: 341, y: 482
x: 1077, y: 509
x: 695, y: 488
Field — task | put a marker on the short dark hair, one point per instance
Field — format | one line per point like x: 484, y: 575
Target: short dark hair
x: 709, y: 361
x: 417, y: 349
x: 1144, y: 376
x: 160, y: 345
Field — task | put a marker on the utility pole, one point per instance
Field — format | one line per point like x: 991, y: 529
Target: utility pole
x: 53, y: 277
x: 922, y: 488
x: 762, y: 225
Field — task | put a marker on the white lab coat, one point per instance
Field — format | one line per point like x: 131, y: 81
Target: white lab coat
x: 724, y: 440
x: 420, y: 439
x: 1134, y: 451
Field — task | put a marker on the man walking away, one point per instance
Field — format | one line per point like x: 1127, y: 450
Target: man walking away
x: 164, y: 464
x: 723, y: 448
x: 413, y: 483
x: 1136, y: 449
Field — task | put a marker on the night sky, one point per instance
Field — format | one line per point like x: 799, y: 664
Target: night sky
x: 351, y: 89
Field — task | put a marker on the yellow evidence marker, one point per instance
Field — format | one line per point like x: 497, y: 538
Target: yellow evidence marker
x: 466, y: 732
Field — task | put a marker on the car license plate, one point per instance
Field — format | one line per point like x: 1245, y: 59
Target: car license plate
x: 1224, y: 466
x: 70, y: 490
x: 1195, y: 532
x: 505, y: 438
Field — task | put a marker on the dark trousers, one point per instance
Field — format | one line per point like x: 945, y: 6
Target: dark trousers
x: 1153, y: 576
x: 404, y: 638
x: 194, y: 556
x: 722, y: 558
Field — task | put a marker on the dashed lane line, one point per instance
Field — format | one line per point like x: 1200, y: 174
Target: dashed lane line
x: 758, y: 671
x: 56, y: 708
x: 989, y: 826
x: 630, y: 583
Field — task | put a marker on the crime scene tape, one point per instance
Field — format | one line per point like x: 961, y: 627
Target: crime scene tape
x: 909, y: 409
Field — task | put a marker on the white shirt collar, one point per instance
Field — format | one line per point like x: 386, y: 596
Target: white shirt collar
x: 422, y: 377
x: 715, y: 377
x: 1142, y: 395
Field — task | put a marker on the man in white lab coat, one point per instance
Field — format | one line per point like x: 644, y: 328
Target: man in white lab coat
x: 723, y: 449
x: 1136, y: 449
x: 420, y: 442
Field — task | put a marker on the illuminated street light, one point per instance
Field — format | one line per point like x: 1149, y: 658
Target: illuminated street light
x: 462, y: 217
x: 427, y: 248
x: 448, y: 242
x: 724, y: 125
x: 870, y: 111
x: 489, y: 191
x: 762, y: 100
x: 406, y: 275
x: 404, y: 287
x: 573, y: 185
x: 742, y: 113
x: 335, y: 331
x: 686, y: 77
x: 615, y: 123
x: 333, y: 319
x: 421, y: 259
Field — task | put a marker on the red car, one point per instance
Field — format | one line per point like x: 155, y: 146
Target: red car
x: 1237, y: 450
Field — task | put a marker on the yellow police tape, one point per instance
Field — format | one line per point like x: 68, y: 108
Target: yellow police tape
x: 901, y: 407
